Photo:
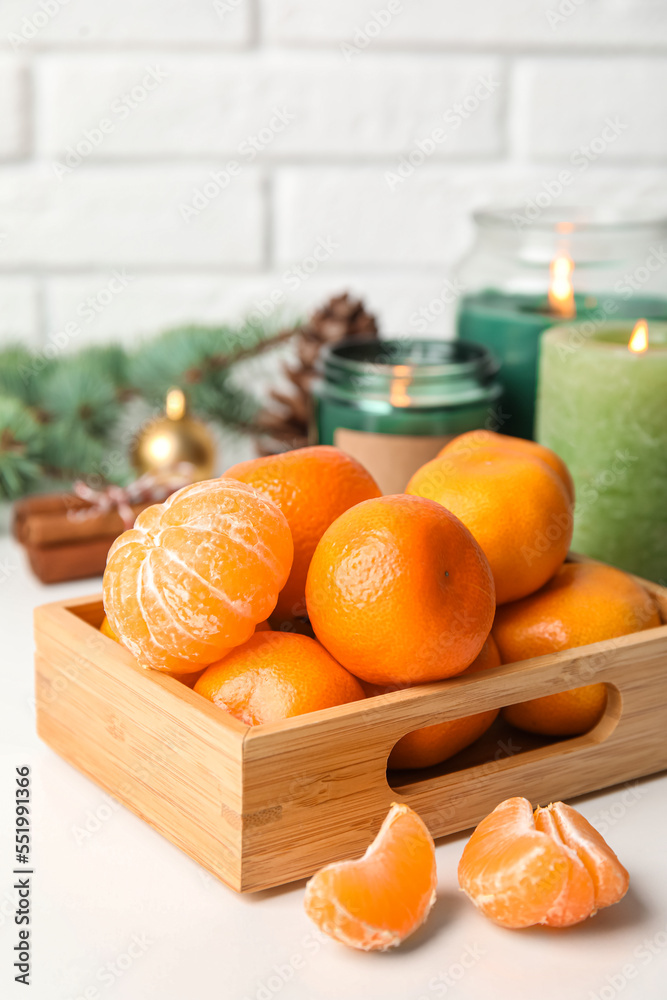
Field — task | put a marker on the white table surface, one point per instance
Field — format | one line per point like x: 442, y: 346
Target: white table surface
x: 121, y: 914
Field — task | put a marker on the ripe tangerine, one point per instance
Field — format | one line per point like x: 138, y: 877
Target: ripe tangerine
x: 400, y: 592
x: 312, y: 487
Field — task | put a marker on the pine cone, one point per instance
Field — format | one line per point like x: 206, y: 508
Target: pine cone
x: 286, y: 426
x: 341, y: 317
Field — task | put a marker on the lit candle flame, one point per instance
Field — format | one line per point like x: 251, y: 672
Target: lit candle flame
x: 639, y: 338
x: 398, y: 395
x: 561, y: 293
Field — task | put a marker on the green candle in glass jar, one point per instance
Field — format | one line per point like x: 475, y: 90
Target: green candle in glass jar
x: 602, y: 406
x: 523, y: 276
x: 393, y: 404
x: 511, y: 325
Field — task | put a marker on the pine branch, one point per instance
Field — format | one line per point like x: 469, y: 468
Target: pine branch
x: 16, y: 373
x: 59, y: 415
x: 111, y: 359
x: 201, y: 361
x: 19, y: 442
x: 253, y: 351
x: 77, y: 392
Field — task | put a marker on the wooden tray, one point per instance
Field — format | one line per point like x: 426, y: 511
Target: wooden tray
x: 262, y: 806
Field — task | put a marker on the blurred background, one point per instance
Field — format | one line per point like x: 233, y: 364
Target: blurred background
x: 232, y: 156
x: 204, y: 195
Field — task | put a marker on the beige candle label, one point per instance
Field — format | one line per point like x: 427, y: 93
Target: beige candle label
x: 390, y: 458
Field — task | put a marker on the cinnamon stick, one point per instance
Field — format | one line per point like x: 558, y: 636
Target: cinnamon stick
x: 42, y: 504
x: 69, y: 562
x: 57, y: 528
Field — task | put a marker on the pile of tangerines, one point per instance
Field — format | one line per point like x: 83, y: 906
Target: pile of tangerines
x: 291, y: 585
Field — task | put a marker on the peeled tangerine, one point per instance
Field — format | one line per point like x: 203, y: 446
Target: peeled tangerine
x: 196, y: 574
x: 548, y: 867
x: 376, y: 902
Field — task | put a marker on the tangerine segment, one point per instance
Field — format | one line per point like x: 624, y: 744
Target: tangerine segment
x: 609, y: 878
x: 312, y: 487
x: 195, y: 575
x: 512, y: 872
x: 378, y: 901
x: 577, y: 899
x: 106, y: 630
x: 276, y: 675
x: 549, y: 867
x: 400, y: 592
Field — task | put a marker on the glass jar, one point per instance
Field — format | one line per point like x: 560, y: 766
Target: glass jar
x: 523, y: 276
x: 393, y: 404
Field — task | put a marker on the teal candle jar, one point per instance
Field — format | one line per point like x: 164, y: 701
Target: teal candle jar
x: 393, y: 404
x: 524, y: 276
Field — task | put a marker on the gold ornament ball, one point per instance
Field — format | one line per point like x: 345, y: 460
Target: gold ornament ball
x: 176, y: 438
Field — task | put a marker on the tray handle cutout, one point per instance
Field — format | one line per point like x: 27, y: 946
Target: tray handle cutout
x: 504, y: 749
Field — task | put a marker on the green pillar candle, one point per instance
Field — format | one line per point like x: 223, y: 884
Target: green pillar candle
x: 603, y: 408
x: 510, y: 325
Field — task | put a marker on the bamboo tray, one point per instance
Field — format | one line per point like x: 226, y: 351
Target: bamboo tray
x: 262, y: 806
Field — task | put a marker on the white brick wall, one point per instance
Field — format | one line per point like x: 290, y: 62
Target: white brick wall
x: 313, y: 106
x: 567, y: 103
x: 18, y: 310
x: 14, y: 121
x: 115, y: 117
x: 490, y: 24
x: 152, y: 302
x: 128, y: 215
x: 127, y: 24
